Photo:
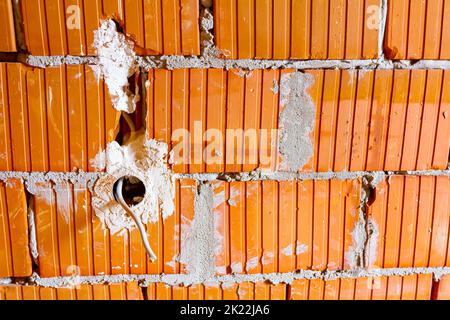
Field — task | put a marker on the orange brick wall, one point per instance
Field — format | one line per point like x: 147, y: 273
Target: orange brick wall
x: 57, y: 27
x: 418, y: 30
x: 14, y: 250
x: 8, y: 43
x: 380, y: 120
x: 299, y: 29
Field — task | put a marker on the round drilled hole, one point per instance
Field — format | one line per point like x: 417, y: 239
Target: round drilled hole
x: 133, y: 190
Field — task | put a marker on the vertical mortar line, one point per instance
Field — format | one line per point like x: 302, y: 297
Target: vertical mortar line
x: 382, y: 29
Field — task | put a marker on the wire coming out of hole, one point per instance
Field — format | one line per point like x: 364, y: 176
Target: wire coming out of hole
x: 117, y: 191
x: 118, y: 196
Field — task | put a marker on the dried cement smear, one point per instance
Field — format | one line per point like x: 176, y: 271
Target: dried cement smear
x: 365, y: 235
x: 296, y: 120
x: 116, y: 63
x: 229, y: 280
x: 355, y: 255
x: 198, y: 244
x: 144, y: 159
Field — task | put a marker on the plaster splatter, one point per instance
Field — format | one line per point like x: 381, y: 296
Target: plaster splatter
x: 198, y: 242
x: 116, y: 63
x: 144, y: 159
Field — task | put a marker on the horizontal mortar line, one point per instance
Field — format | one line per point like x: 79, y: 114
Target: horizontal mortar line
x: 286, y: 176
x: 200, y: 62
x: 74, y: 177
x: 89, y: 177
x: 186, y: 279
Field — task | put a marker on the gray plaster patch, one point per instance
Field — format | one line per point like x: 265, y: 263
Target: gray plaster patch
x: 296, y: 121
x: 197, y: 245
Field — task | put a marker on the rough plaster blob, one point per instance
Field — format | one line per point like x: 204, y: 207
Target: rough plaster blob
x: 297, y: 120
x: 116, y: 63
x: 144, y: 159
x: 198, y: 243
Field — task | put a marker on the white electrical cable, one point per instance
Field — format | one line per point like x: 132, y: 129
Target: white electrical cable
x: 130, y: 123
x: 119, y: 197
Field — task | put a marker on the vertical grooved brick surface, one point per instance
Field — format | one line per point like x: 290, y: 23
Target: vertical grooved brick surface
x: 15, y: 259
x: 297, y: 29
x: 58, y: 27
